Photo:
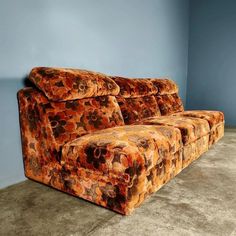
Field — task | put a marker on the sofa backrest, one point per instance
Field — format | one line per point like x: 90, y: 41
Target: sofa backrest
x: 68, y: 104
x: 143, y: 98
x: 136, y: 99
x: 167, y: 97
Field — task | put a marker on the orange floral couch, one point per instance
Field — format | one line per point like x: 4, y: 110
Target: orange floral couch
x: 110, y: 140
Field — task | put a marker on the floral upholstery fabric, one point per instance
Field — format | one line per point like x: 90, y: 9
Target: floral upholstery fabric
x: 134, y: 155
x: 169, y: 104
x: 165, y: 86
x: 134, y: 87
x: 123, y: 150
x: 216, y: 133
x: 74, y: 137
x: 106, y: 190
x: 137, y: 109
x: 214, y: 118
x: 72, y: 119
x: 194, y: 150
x: 61, y: 84
x: 191, y: 128
x: 68, y: 120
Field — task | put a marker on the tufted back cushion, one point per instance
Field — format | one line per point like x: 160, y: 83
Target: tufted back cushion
x: 167, y: 98
x: 169, y: 103
x: 165, y: 86
x: 136, y: 99
x: 143, y: 98
x: 137, y: 109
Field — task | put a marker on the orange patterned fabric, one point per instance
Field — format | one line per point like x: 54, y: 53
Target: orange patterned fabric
x: 106, y: 190
x: 191, y: 128
x: 137, y: 109
x: 61, y: 84
x: 169, y: 104
x: 194, y: 150
x: 214, y: 118
x: 123, y: 150
x: 216, y: 133
x: 134, y: 87
x: 74, y: 137
x: 66, y: 121
x: 140, y: 157
x: 165, y: 86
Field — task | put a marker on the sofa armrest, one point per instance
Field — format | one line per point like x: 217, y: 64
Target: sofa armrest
x: 36, y: 135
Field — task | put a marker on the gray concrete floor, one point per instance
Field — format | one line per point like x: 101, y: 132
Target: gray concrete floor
x: 201, y: 200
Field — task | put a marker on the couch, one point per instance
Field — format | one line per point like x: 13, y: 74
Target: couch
x: 107, y: 139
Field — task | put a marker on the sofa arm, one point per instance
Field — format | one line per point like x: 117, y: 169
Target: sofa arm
x: 38, y: 145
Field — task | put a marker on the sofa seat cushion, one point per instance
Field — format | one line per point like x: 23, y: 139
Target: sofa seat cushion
x: 62, y: 84
x: 137, y: 109
x: 125, y: 151
x: 191, y: 128
x: 214, y: 118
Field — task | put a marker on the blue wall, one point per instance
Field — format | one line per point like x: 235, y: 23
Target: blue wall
x: 131, y: 38
x: 212, y: 57
x: 11, y: 165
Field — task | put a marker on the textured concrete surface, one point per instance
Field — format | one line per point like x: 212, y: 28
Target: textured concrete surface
x: 201, y: 200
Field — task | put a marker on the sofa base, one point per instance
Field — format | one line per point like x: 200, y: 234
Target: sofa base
x: 105, y: 191
x: 194, y: 150
x: 216, y: 133
x: 110, y: 191
x: 102, y: 190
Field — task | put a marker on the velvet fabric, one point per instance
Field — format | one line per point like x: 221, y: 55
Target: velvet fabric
x: 137, y: 159
x: 194, y: 150
x: 134, y: 87
x: 169, y: 104
x: 108, y: 191
x: 124, y: 152
x: 165, y: 86
x: 136, y: 109
x: 60, y: 84
x: 77, y: 136
x: 214, y: 118
x: 191, y: 128
x: 216, y: 133
x: 136, y: 99
x: 67, y: 120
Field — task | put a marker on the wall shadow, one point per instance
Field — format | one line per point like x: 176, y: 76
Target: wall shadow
x: 26, y: 82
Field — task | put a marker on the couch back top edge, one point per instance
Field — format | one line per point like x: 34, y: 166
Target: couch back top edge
x: 77, y: 102
x: 140, y: 87
x: 63, y: 84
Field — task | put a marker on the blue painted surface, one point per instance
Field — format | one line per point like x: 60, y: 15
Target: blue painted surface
x: 11, y: 164
x: 133, y: 38
x: 212, y: 57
